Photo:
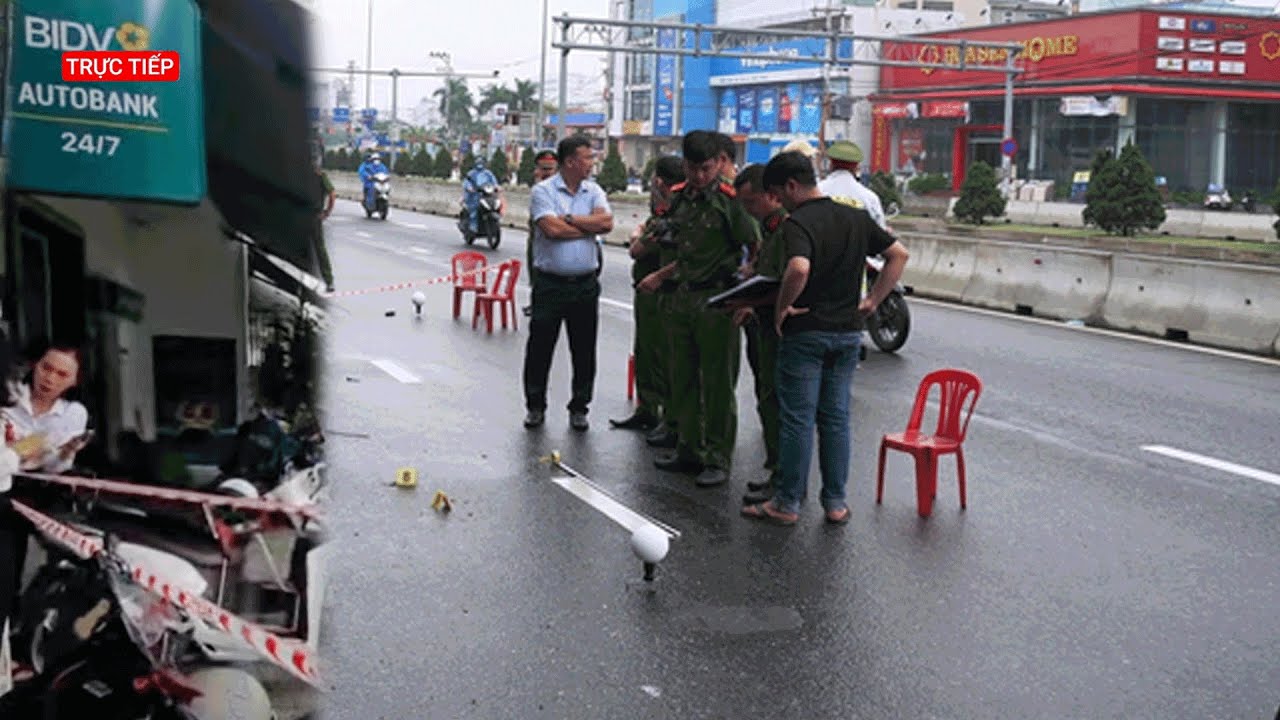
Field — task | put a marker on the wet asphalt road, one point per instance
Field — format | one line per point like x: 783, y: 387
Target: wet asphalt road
x: 1089, y: 578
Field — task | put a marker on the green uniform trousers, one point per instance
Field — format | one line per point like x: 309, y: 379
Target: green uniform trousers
x: 762, y: 355
x: 705, y: 351
x: 651, y: 353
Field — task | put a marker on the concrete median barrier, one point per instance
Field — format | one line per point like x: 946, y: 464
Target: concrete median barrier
x: 940, y: 267
x: 1031, y: 280
x: 1221, y: 304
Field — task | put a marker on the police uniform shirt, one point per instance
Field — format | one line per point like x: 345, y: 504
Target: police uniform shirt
x: 842, y: 186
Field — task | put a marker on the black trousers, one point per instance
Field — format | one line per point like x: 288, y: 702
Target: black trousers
x: 575, y: 303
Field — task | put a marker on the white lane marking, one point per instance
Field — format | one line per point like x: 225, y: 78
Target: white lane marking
x: 1215, y: 463
x: 413, y: 226
x: 629, y: 519
x: 391, y: 368
x: 616, y: 303
x: 1097, y: 331
x: 422, y: 250
x: 363, y: 234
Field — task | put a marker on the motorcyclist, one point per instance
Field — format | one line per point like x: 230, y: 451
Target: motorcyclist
x: 370, y: 167
x: 471, y: 184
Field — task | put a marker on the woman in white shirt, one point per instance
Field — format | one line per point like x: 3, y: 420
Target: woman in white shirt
x: 38, y: 408
x: 42, y: 432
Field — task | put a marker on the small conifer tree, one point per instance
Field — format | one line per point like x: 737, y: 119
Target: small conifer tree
x: 980, y: 196
x: 613, y: 176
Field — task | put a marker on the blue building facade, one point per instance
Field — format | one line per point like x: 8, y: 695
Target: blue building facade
x: 762, y: 104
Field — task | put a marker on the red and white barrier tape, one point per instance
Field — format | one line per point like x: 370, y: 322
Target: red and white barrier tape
x: 309, y: 511
x: 290, y: 654
x: 415, y: 283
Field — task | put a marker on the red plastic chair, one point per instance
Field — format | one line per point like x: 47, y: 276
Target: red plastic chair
x: 475, y: 283
x: 956, y: 387
x: 631, y: 377
x: 503, y: 294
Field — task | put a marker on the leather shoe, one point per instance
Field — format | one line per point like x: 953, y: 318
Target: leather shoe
x: 535, y: 418
x: 677, y: 464
x: 578, y: 421
x: 637, y: 421
x: 712, y: 476
x: 667, y: 440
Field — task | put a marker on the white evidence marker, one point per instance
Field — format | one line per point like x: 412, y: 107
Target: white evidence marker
x: 1215, y: 463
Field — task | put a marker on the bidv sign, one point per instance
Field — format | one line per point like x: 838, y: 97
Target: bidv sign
x: 42, y: 33
x: 111, y: 95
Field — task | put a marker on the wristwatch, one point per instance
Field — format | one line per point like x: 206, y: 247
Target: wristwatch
x: 568, y: 219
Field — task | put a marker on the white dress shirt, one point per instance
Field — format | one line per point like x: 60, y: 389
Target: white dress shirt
x: 64, y: 422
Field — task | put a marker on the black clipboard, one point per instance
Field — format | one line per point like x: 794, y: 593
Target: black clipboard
x: 755, y: 287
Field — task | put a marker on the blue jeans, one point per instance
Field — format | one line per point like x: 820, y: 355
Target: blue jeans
x: 815, y: 376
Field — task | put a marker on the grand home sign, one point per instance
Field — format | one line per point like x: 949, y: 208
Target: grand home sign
x: 1033, y: 50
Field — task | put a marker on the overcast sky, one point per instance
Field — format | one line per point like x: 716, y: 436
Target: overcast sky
x: 481, y: 35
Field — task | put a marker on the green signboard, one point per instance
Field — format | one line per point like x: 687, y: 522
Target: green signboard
x: 121, y: 140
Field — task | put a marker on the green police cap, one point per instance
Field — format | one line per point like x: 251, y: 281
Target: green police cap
x: 845, y: 151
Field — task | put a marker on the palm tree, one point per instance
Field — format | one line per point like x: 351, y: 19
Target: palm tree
x: 525, y: 95
x: 455, y: 103
x: 493, y: 95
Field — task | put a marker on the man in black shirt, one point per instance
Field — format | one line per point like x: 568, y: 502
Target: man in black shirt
x: 819, y: 315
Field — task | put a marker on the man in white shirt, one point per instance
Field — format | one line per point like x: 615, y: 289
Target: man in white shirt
x: 842, y: 185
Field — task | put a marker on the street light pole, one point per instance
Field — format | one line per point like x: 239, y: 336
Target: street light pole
x: 368, y: 58
x: 542, y: 80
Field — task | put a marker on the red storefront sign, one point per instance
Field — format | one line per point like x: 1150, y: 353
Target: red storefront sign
x: 946, y: 109
x: 881, y: 141
x: 893, y: 110
x: 1102, y: 47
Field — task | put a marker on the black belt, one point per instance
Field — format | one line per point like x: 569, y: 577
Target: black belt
x: 568, y: 278
x: 716, y: 284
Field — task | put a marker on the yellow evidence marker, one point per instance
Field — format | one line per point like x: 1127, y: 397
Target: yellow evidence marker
x: 406, y: 478
x: 441, y: 502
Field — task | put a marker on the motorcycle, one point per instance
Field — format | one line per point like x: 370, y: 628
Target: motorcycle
x: 1217, y: 198
x: 890, y: 324
x: 1249, y: 202
x: 102, y: 646
x: 379, y: 201
x: 488, y: 218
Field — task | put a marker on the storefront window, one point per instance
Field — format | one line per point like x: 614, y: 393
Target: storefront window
x: 1253, y: 147
x: 641, y: 105
x: 1069, y: 143
x: 1176, y: 137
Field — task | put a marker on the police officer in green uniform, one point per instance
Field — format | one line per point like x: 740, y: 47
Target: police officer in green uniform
x: 756, y: 319
x: 711, y: 232
x: 650, y: 344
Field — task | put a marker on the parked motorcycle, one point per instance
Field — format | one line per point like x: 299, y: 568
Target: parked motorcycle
x: 379, y: 201
x: 488, y: 218
x: 1249, y: 202
x: 1217, y: 198
x: 890, y: 324
x: 102, y: 646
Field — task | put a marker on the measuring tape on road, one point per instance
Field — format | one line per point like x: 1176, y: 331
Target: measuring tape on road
x: 294, y: 656
x: 309, y: 511
x: 418, y: 283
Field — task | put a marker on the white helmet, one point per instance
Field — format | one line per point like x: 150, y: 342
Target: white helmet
x: 227, y: 692
x: 238, y: 487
